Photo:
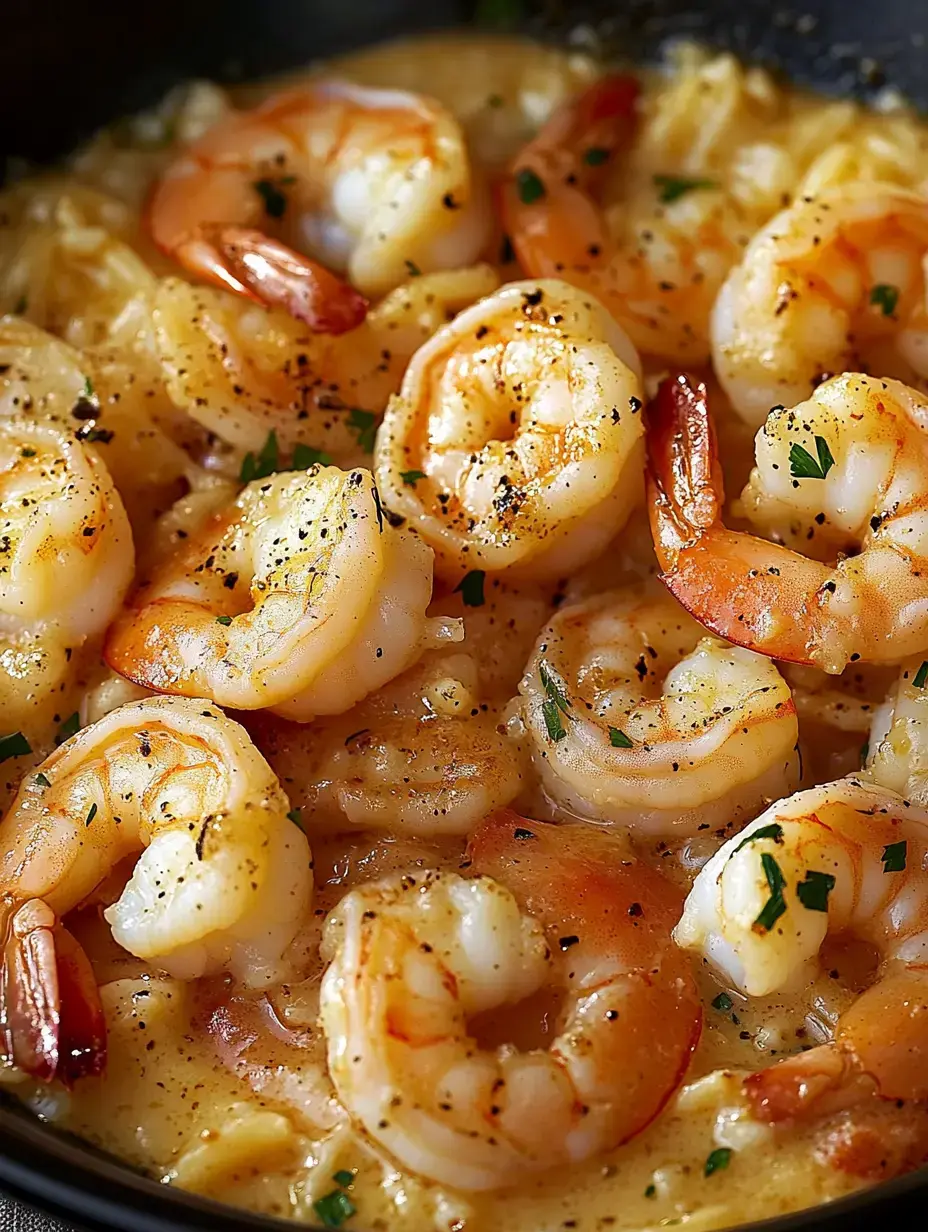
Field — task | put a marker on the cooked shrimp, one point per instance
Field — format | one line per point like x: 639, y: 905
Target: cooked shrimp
x: 658, y: 282
x: 414, y: 958
x: 834, y: 282
x: 243, y: 371
x: 301, y: 596
x: 377, y: 182
x: 223, y: 877
x: 897, y: 748
x: 61, y: 519
x: 844, y: 858
x: 515, y: 442
x: 845, y: 471
x: 636, y: 718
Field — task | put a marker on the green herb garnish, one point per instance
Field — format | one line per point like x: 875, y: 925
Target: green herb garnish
x: 343, y: 1178
x: 921, y: 676
x: 412, y: 269
x: 304, y: 456
x: 814, y: 890
x: 650, y: 1191
x: 885, y: 297
x: 596, y: 156
x: 723, y: 1002
x: 264, y: 464
x: 223, y: 620
x: 552, y: 716
x: 364, y: 424
x: 773, y: 830
x: 618, y: 739
x: 673, y: 187
x: 411, y: 478
x: 803, y: 466
x: 42, y: 781
x: 296, y: 816
x: 776, y: 903
x: 470, y: 588
x: 894, y: 856
x: 14, y: 745
x: 334, y: 1208
x: 717, y: 1160
x: 91, y: 815
x: 499, y: 12
x: 529, y: 186
x: 68, y: 728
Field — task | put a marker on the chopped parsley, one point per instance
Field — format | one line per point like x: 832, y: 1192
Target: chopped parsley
x: 70, y: 727
x: 275, y: 201
x: 673, y: 187
x: 412, y: 269
x: 776, y: 903
x: 91, y: 815
x: 723, y: 1002
x: 364, y: 425
x: 894, y: 856
x: 296, y: 816
x: 88, y: 387
x: 803, y: 466
x: 411, y: 478
x: 470, y: 588
x: 264, y: 464
x: 814, y: 890
x: 334, y: 1208
x: 304, y: 456
x: 717, y: 1160
x: 921, y: 676
x: 223, y: 620
x: 14, y: 745
x: 554, y: 687
x: 650, y: 1191
x: 773, y: 830
x: 618, y: 739
x: 499, y: 12
x: 552, y: 716
x: 885, y: 297
x: 92, y: 435
x: 529, y: 186
x: 596, y: 156
x: 343, y: 1178
x: 27, y: 453
x: 42, y: 781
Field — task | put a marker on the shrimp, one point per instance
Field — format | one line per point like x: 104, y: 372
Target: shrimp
x: 845, y: 858
x: 413, y: 959
x: 659, y: 281
x: 515, y: 442
x: 301, y: 596
x: 176, y: 783
x: 377, y: 182
x: 243, y: 371
x: 897, y: 747
x: 845, y: 471
x: 61, y: 518
x: 834, y: 282
x: 636, y: 718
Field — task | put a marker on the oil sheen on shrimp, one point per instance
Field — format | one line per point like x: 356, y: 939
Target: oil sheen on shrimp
x: 834, y: 282
x: 376, y: 182
x: 844, y: 858
x: 301, y: 596
x: 177, y: 784
x: 897, y: 746
x: 636, y: 717
x: 845, y: 472
x: 515, y: 442
x: 414, y: 958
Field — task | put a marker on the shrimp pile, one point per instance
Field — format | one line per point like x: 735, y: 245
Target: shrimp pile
x: 427, y: 799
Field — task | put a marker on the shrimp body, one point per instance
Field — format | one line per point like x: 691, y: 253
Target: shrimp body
x: 864, y: 487
x: 637, y: 718
x: 414, y: 957
x: 223, y: 877
x: 60, y: 517
x: 515, y: 442
x: 844, y: 858
x: 370, y: 181
x: 300, y: 596
x: 660, y: 283
x: 897, y: 747
x: 833, y: 282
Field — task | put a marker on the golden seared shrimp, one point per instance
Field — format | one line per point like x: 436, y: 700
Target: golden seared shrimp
x: 414, y: 958
x: 376, y: 182
x: 636, y: 717
x: 66, y: 555
x: 834, y: 282
x: 847, y: 859
x: 515, y: 442
x: 897, y: 747
x: 658, y: 283
x: 301, y: 596
x: 847, y: 470
x: 223, y: 877
x: 243, y: 371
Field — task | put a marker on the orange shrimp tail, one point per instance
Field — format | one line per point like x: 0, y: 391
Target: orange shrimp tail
x: 53, y: 1025
x: 282, y: 278
x: 796, y: 1087
x: 754, y: 593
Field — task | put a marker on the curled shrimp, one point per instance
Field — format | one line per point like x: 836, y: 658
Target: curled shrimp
x: 515, y: 442
x: 660, y: 283
x: 375, y: 181
x: 415, y: 958
x: 222, y: 880
x: 834, y: 282
x: 846, y: 859
x: 60, y: 518
x: 300, y: 596
x: 636, y: 717
x: 845, y: 471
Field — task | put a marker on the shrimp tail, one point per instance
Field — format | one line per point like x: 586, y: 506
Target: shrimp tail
x: 280, y: 277
x: 796, y: 1087
x: 53, y: 1024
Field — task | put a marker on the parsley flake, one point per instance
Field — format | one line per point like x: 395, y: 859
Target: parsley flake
x: 894, y: 856
x: 343, y: 1177
x: 803, y: 466
x: 224, y: 620
x: 723, y: 1002
x: 529, y: 186
x: 14, y: 745
x: 552, y: 716
x: 554, y: 687
x: 412, y: 269
x: 334, y: 1208
x: 304, y: 457
x: 776, y: 903
x: 296, y: 816
x: 673, y: 187
x: 411, y: 478
x: 264, y: 464
x: 885, y: 297
x: 921, y: 676
x: 91, y: 815
x: 650, y: 1191
x: 42, y: 781
x: 364, y: 425
x: 618, y: 739
x: 596, y: 156
x: 814, y: 890
x: 717, y: 1160
x: 499, y: 12
x: 70, y: 727
x: 470, y: 588
x: 773, y: 830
